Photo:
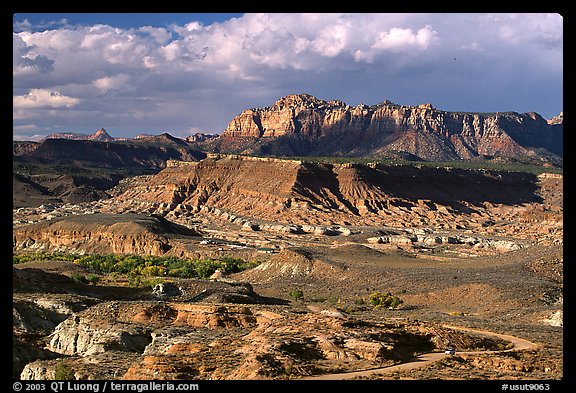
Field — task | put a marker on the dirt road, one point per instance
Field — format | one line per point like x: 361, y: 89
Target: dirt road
x: 427, y: 358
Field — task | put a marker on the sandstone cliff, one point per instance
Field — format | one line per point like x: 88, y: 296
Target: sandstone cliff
x: 304, y: 125
x: 252, y: 192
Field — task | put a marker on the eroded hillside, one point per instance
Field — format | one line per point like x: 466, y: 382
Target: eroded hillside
x: 462, y: 247
x: 300, y: 193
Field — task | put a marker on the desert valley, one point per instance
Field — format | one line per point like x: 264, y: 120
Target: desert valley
x: 311, y: 239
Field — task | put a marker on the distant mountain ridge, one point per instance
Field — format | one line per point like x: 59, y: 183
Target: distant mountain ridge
x: 303, y: 125
x: 100, y: 135
x: 70, y: 168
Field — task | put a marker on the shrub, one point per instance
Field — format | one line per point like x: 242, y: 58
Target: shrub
x: 395, y: 302
x: 206, y: 267
x: 153, y: 271
x: 296, y: 294
x: 151, y: 282
x: 379, y: 300
x: 63, y: 372
x: 136, y: 265
x: 182, y: 272
x: 79, y: 278
x: 93, y: 279
x: 135, y: 280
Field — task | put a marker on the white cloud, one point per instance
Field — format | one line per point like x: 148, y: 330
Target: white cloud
x: 399, y: 38
x: 197, y: 77
x: 159, y: 34
x: 26, y: 61
x: 472, y: 46
x: 542, y: 30
x: 116, y: 82
x: 39, y: 98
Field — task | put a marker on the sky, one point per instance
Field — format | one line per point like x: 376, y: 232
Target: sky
x: 186, y: 73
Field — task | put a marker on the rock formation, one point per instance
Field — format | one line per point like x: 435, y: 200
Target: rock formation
x: 126, y: 233
x: 80, y: 170
x: 301, y: 124
x: 314, y: 197
x: 100, y: 135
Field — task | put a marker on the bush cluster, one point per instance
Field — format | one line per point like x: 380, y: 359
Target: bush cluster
x: 385, y: 299
x: 147, y: 266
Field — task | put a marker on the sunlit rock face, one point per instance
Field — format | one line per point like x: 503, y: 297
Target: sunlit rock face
x: 335, y: 128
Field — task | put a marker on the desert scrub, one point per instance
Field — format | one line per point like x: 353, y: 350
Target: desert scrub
x: 79, y: 278
x: 385, y: 299
x: 63, y: 372
x: 42, y: 256
x: 296, y: 294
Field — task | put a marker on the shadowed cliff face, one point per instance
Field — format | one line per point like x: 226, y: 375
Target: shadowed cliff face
x: 445, y: 185
x: 304, y: 125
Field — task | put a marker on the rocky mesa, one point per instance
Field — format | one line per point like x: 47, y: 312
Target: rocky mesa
x: 252, y: 191
x: 303, y: 125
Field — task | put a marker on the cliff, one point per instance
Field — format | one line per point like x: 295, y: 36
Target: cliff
x: 254, y: 191
x: 304, y: 125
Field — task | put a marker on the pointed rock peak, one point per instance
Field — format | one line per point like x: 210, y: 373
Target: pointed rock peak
x: 101, y: 135
x: 557, y: 119
x: 298, y: 97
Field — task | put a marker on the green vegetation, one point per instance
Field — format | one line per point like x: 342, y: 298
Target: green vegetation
x: 524, y: 165
x: 89, y: 279
x: 63, y: 372
x: 385, y: 299
x: 296, y: 294
x: 139, y: 267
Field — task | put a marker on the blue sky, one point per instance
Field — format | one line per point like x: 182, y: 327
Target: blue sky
x: 187, y: 73
x: 43, y: 21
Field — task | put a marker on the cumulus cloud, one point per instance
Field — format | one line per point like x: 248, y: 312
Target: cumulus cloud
x: 39, y: 98
x: 196, y: 76
x: 398, y: 38
x: 25, y: 61
x: 116, y: 82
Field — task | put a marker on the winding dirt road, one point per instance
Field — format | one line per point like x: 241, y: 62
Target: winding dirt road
x: 427, y: 358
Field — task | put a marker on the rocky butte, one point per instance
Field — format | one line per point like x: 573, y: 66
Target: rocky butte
x: 301, y: 124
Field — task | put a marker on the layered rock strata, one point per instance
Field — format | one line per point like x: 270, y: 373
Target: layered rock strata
x: 301, y: 124
x: 307, y: 197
